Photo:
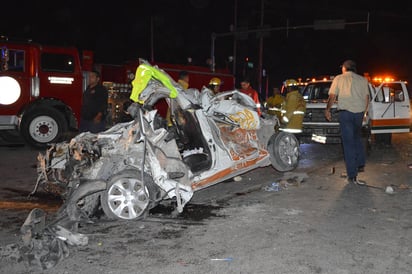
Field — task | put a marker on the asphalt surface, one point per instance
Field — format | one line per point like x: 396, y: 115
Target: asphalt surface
x: 314, y: 222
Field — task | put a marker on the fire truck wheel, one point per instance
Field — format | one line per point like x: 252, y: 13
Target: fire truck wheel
x: 127, y: 197
x: 283, y: 148
x: 42, y: 126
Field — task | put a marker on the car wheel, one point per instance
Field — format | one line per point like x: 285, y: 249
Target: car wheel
x: 283, y: 148
x: 127, y: 197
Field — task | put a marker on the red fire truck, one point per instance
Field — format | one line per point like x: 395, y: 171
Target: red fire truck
x: 41, y: 88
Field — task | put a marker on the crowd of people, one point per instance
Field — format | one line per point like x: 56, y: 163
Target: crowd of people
x: 285, y: 107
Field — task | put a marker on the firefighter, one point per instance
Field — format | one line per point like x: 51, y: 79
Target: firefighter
x: 275, y: 103
x: 294, y: 107
x: 214, y: 85
x: 209, y: 91
x: 184, y: 79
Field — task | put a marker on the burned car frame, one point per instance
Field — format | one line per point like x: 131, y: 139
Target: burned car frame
x: 131, y: 167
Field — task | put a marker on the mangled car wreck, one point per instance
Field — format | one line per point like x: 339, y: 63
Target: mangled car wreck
x: 133, y: 166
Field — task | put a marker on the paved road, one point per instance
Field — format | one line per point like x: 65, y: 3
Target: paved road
x: 321, y: 225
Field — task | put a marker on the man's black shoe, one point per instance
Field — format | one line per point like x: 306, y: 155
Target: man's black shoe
x: 356, y: 181
x: 351, y: 181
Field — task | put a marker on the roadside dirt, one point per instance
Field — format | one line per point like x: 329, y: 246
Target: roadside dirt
x: 320, y: 225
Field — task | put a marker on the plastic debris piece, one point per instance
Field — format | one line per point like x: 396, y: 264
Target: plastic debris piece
x: 228, y: 259
x: 389, y: 190
x: 295, y: 176
x: 33, y: 225
x: 284, y: 184
x: 237, y: 178
x: 387, y: 163
x: 72, y: 238
x: 272, y: 187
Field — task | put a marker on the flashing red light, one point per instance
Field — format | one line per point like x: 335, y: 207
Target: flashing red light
x: 383, y: 79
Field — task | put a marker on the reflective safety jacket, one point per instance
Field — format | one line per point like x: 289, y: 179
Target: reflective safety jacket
x: 274, y: 105
x: 183, y: 83
x: 293, y: 112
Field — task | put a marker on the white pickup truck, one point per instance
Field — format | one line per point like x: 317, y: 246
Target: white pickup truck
x: 389, y: 112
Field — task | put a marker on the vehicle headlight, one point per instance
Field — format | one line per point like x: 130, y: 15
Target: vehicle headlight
x: 9, y: 90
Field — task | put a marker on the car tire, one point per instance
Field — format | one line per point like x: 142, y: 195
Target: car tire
x: 284, y: 152
x: 127, y: 197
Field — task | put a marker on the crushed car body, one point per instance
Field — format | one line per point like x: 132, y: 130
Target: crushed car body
x: 143, y: 161
x: 133, y: 166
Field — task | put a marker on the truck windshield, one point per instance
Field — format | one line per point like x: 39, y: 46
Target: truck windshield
x: 318, y: 91
x: 57, y: 62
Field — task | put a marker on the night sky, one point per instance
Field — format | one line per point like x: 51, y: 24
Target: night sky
x: 117, y: 32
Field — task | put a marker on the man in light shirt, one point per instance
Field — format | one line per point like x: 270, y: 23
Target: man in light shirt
x: 353, y: 102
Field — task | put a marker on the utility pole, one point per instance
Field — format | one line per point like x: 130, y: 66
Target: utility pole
x: 234, y: 39
x: 212, y: 52
x: 260, y: 65
x: 151, y: 39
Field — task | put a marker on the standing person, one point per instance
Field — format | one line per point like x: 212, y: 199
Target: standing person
x: 94, y: 105
x: 163, y: 107
x: 246, y: 88
x: 184, y: 79
x: 353, y: 103
x: 294, y: 108
x: 214, y: 85
x: 191, y: 93
x: 275, y: 103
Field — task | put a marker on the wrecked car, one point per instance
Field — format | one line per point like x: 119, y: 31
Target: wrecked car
x: 133, y: 166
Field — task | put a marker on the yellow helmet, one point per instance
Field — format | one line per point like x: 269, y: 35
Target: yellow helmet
x: 215, y: 81
x: 290, y: 82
